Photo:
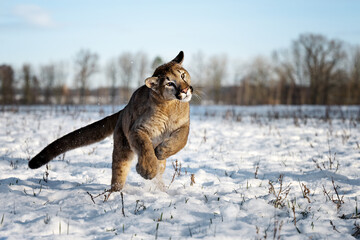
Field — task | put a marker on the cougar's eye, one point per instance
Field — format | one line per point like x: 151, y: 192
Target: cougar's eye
x: 183, y: 76
x: 170, y: 84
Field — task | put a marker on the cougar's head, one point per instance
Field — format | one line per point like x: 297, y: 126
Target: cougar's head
x: 171, y: 81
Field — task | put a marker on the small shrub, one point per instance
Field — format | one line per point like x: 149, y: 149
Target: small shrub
x: 280, y: 194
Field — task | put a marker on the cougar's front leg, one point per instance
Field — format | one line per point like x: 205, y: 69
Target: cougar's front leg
x: 159, y: 178
x: 173, y: 144
x: 122, y: 157
x: 147, y: 165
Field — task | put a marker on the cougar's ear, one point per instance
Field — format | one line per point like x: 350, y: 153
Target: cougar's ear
x: 151, y: 82
x: 179, y: 58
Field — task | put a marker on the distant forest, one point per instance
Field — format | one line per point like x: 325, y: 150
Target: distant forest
x: 312, y: 70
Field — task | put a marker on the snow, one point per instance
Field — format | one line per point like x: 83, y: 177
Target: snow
x: 235, y: 154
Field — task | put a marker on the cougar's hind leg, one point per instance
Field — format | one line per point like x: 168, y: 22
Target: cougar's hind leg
x: 122, y: 158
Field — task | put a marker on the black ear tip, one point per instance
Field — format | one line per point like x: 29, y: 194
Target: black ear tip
x: 179, y: 58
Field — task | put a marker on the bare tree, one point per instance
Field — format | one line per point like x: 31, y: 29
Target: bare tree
x: 47, y: 78
x: 112, y: 73
x: 156, y: 62
x: 216, y: 72
x: 31, y: 85
x: 320, y: 58
x: 7, y: 84
x: 259, y: 77
x: 287, y: 77
x: 52, y: 79
x: 142, y: 67
x: 26, y: 77
x: 35, y: 89
x: 354, y: 75
x: 61, y: 90
x: 86, y: 64
x: 126, y: 67
x: 198, y: 69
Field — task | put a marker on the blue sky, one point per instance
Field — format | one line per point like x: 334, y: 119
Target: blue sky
x: 41, y: 31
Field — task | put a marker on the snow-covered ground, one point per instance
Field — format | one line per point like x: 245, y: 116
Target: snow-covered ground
x: 260, y: 173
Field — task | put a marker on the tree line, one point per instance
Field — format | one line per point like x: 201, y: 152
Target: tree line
x: 313, y: 70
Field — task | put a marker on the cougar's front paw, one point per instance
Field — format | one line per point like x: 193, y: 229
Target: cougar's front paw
x: 116, y: 187
x: 147, y: 168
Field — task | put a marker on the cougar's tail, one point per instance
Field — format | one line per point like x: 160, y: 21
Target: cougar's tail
x: 89, y: 134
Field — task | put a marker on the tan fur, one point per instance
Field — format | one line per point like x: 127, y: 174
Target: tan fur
x: 153, y: 126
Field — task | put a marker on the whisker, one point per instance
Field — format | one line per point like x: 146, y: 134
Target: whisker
x: 199, y: 93
x: 197, y: 97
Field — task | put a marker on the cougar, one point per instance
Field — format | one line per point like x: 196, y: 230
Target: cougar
x: 153, y: 126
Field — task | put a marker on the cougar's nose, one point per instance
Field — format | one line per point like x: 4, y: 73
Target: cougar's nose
x: 185, y: 90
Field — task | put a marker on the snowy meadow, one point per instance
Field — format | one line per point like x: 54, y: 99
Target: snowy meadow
x: 265, y: 172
